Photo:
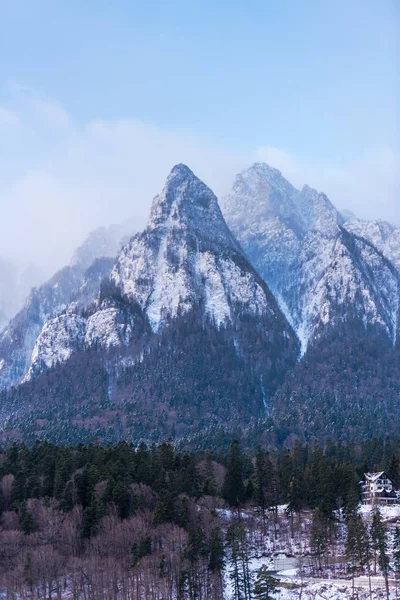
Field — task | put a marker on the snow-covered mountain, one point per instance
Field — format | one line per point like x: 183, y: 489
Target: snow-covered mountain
x: 183, y: 325
x: 78, y: 283
x: 185, y: 259
x: 381, y: 234
x: 321, y: 274
x: 191, y: 326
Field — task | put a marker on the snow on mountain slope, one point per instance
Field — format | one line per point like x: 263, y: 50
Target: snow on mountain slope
x: 358, y: 283
x: 78, y: 283
x: 185, y: 259
x: 319, y: 274
x: 56, y: 342
x: 70, y: 332
x: 382, y: 235
x: 18, y: 340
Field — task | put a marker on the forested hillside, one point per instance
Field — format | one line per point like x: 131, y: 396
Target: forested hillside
x: 152, y: 523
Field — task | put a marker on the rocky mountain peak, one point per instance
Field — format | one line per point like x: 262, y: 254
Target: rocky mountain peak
x: 187, y: 204
x: 188, y: 257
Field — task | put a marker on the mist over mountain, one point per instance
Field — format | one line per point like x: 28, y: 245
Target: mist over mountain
x: 282, y: 319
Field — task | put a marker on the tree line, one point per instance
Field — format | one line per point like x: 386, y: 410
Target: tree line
x: 148, y: 520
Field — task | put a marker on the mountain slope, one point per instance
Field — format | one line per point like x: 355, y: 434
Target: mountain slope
x: 78, y: 283
x: 186, y: 257
x: 320, y: 273
x: 341, y: 294
x: 382, y: 235
x: 201, y: 338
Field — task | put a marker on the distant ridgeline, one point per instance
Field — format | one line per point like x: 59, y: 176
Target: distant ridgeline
x: 273, y: 320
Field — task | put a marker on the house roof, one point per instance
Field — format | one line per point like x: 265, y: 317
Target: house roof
x: 375, y: 476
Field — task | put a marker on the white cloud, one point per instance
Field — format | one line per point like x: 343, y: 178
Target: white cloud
x: 68, y: 179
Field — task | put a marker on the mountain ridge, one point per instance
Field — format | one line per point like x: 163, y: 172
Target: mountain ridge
x: 200, y: 316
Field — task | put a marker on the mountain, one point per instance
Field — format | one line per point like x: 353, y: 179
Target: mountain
x: 340, y: 292
x: 184, y: 327
x: 320, y: 273
x: 382, y: 235
x: 78, y: 283
x: 190, y: 331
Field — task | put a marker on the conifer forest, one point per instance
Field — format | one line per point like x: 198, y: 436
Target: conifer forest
x: 158, y: 523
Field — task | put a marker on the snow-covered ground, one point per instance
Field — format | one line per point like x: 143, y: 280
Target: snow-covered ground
x: 282, y: 556
x: 387, y: 512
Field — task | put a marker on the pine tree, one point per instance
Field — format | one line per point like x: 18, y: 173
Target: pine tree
x: 319, y: 537
x: 217, y: 552
x: 233, y: 489
x: 122, y: 499
x: 164, y: 509
x: 261, y: 484
x: 351, y: 504
x: 394, y: 470
x: 265, y: 585
x: 239, y: 561
x: 380, y: 546
x: 357, y: 545
x: 26, y: 519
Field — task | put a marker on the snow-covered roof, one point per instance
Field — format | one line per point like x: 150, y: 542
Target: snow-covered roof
x: 375, y: 476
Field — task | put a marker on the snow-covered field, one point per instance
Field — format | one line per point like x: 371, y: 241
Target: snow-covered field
x: 387, y: 512
x: 282, y: 557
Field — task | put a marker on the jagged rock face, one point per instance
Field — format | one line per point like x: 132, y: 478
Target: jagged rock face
x: 319, y: 275
x: 109, y: 326
x: 382, y: 235
x: 69, y: 287
x: 264, y: 196
x: 358, y: 284
x: 18, y: 340
x: 187, y: 257
x: 184, y: 323
x: 57, y: 340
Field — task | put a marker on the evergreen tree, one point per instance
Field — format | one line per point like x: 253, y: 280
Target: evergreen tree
x: 319, y: 537
x: 122, y: 500
x: 351, y: 504
x: 26, y: 519
x: 239, y: 572
x: 164, y: 511
x: 233, y: 489
x: 380, y: 546
x: 261, y: 484
x: 217, y: 552
x: 266, y: 585
x: 394, y: 470
x: 357, y: 546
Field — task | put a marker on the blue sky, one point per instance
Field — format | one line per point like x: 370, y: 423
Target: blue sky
x: 310, y: 86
